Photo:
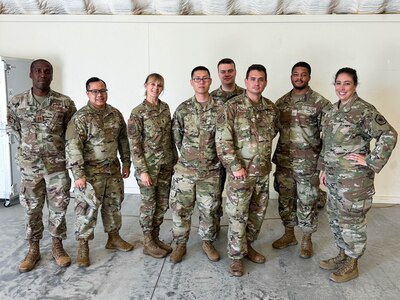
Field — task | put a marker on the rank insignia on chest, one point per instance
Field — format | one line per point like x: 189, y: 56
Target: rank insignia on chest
x: 56, y: 105
x: 39, y: 119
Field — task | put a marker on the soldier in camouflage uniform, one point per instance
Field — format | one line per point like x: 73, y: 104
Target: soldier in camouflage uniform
x: 227, y: 90
x: 38, y: 118
x: 153, y: 155
x: 348, y: 166
x: 244, y: 140
x: 227, y: 75
x: 296, y: 156
x: 95, y: 135
x: 197, y: 173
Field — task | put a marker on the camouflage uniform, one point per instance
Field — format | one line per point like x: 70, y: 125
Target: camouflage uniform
x: 93, y: 139
x: 152, y: 151
x: 222, y: 96
x: 197, y: 173
x: 244, y: 140
x: 296, y: 157
x: 40, y: 129
x: 350, y: 129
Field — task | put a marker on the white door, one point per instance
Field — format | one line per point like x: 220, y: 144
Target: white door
x: 14, y: 79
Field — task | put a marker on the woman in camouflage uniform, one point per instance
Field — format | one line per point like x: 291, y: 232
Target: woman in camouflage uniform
x: 349, y: 166
x: 154, y: 156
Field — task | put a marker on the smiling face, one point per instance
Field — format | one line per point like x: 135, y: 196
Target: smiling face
x: 300, y: 78
x: 154, y: 88
x: 344, y: 87
x: 227, y: 74
x: 97, y: 94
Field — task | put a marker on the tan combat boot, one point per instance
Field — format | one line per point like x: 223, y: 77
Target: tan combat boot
x: 161, y: 244
x: 31, y: 258
x: 210, y: 251
x: 177, y: 255
x: 116, y: 242
x: 236, y: 267
x: 82, y: 258
x: 253, y: 255
x: 347, y: 270
x: 287, y: 239
x: 334, y: 262
x: 306, y: 250
x: 151, y: 248
x: 59, y: 254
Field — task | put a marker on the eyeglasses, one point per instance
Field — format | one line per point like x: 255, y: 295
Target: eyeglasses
x: 96, y: 92
x: 198, y: 79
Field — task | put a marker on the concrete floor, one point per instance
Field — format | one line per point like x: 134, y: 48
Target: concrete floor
x: 132, y: 275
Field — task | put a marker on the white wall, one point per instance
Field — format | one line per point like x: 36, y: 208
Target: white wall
x: 124, y: 49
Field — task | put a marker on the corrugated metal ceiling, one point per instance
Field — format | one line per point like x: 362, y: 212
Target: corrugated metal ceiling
x: 198, y: 7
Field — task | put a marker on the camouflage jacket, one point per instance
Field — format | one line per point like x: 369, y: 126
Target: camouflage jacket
x: 220, y: 95
x: 150, y: 135
x: 299, y: 141
x: 193, y: 129
x: 93, y: 139
x: 40, y: 129
x: 350, y: 129
x: 244, y: 135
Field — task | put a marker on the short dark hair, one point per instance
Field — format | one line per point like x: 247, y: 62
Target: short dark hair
x: 227, y: 61
x: 349, y: 71
x: 94, y: 79
x: 199, y: 68
x: 302, y: 64
x: 41, y: 60
x: 256, y: 67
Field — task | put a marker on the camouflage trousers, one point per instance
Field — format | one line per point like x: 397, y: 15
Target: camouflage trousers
x: 154, y: 198
x: 349, y: 200
x: 246, y: 205
x: 220, y: 211
x: 298, y: 196
x: 102, y: 190
x: 35, y: 189
x: 186, y: 190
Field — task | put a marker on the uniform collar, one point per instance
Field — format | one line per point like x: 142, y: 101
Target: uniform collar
x: 249, y: 102
x: 230, y: 92
x: 150, y: 106
x: 210, y: 103
x: 305, y: 97
x: 99, y: 111
x: 46, y: 101
x: 347, y: 107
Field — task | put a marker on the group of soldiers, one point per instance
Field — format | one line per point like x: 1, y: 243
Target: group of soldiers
x: 224, y: 139
x: 235, y: 127
x: 54, y: 137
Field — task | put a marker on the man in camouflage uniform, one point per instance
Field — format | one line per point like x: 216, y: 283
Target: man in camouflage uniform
x: 197, y: 173
x: 227, y: 90
x: 296, y: 156
x: 95, y: 135
x: 349, y: 167
x: 244, y: 140
x: 153, y: 155
x: 227, y: 75
x: 38, y: 118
